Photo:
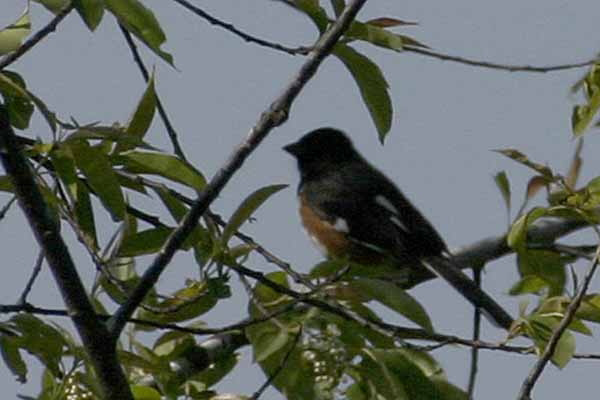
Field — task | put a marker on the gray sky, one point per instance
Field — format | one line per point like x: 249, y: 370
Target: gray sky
x: 447, y: 118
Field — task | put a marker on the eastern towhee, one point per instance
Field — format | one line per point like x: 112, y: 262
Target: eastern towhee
x: 352, y: 211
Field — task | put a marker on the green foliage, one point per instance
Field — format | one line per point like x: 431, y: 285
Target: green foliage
x: 11, y: 37
x: 140, y: 21
x: 583, y: 114
x: 373, y: 87
x: 91, y: 11
x: 247, y: 208
x: 92, y: 170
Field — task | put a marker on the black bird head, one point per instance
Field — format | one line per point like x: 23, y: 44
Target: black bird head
x: 322, y: 148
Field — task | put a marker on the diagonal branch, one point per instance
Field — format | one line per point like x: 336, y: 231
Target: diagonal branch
x: 35, y: 39
x: 93, y: 333
x: 273, y: 117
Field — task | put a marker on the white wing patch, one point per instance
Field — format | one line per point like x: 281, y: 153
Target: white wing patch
x: 385, y: 203
x: 341, y: 225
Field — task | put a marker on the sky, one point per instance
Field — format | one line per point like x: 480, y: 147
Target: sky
x: 447, y: 119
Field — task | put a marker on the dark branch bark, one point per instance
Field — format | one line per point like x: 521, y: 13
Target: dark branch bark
x: 96, y: 339
x: 275, y: 116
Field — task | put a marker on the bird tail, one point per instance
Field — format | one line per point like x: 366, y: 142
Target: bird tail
x: 451, y: 273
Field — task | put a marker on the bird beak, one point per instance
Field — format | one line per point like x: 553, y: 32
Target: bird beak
x: 291, y: 148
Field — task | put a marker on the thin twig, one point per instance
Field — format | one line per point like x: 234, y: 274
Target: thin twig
x: 161, y: 110
x: 302, y: 50
x: 279, y: 368
x: 7, y: 206
x: 502, y: 67
x: 247, y: 37
x: 273, y: 117
x: 536, y: 371
x: 476, y: 335
x: 36, y: 38
x: 442, y: 339
x: 37, y: 267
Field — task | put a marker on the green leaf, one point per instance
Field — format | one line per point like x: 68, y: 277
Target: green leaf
x: 39, y: 339
x: 315, y: 12
x: 527, y: 285
x: 164, y: 165
x: 267, y: 297
x: 449, y: 391
x: 193, y: 300
x: 399, y: 377
x: 10, y: 88
x: 91, y: 11
x: 140, y: 21
x: 269, y: 343
x: 11, y: 355
x: 521, y: 158
x: 547, y: 265
x: 12, y: 36
x: 54, y: 6
x: 503, y: 185
x: 517, y: 236
x: 84, y: 214
x: 390, y: 295
x: 219, y: 370
x: 387, y: 22
x: 247, y: 208
x: 96, y: 167
x: 64, y: 165
x: 142, y: 116
x: 542, y: 329
x: 584, y: 113
x: 145, y: 393
x: 19, y: 108
x: 589, y: 309
x: 372, y: 84
x: 372, y: 32
x: 145, y: 242
x: 109, y: 133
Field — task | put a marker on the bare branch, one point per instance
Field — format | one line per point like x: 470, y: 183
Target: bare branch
x: 302, y: 50
x: 502, y: 67
x: 273, y: 117
x: 36, y: 38
x: 247, y: 37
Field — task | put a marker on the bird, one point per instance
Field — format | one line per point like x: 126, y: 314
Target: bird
x: 353, y: 212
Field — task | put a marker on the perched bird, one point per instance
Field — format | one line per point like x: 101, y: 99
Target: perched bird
x: 352, y: 211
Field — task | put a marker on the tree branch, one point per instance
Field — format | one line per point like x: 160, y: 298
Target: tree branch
x: 502, y: 67
x: 35, y: 39
x: 273, y: 117
x: 247, y: 37
x: 93, y: 333
x: 483, y: 251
